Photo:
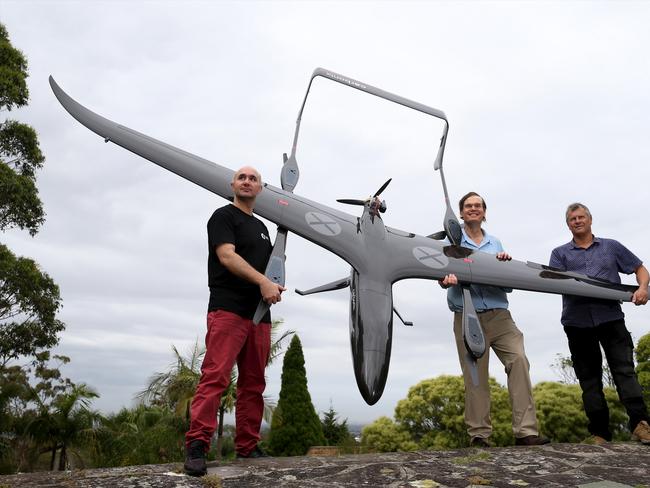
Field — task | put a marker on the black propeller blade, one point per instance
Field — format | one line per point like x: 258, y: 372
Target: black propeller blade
x: 351, y: 201
x: 383, y: 187
x: 438, y: 236
x: 356, y: 201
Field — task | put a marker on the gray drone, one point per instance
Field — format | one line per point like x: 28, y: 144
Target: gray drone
x: 378, y: 255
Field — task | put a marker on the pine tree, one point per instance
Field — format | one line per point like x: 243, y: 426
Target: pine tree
x: 335, y: 432
x: 295, y: 426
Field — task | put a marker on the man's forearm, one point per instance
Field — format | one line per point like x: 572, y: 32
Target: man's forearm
x: 238, y: 266
x: 642, y: 276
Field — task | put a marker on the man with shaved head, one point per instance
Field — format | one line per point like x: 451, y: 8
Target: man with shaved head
x: 239, y: 248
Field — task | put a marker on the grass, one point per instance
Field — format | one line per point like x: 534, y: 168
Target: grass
x: 211, y: 481
x: 481, y: 456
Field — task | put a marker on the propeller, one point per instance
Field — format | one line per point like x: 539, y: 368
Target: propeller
x: 356, y: 201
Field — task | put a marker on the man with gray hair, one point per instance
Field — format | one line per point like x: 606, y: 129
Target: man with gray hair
x: 590, y: 323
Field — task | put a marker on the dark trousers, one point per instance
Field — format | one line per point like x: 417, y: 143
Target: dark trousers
x: 584, y: 344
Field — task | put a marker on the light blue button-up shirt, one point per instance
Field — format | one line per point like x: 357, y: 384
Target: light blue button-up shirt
x: 484, y: 297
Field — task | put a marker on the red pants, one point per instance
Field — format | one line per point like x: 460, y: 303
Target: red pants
x: 231, y: 338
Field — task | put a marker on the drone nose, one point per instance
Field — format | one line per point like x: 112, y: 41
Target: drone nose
x: 372, y: 375
x: 371, y: 333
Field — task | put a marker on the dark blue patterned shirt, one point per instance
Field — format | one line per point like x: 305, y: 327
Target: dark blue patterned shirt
x: 605, y: 259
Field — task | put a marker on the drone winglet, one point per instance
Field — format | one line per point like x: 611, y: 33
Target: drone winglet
x: 334, y: 285
x: 275, y: 270
x: 472, y: 334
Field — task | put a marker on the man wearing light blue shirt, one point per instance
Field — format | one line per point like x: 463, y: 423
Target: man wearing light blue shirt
x: 501, y: 334
x: 484, y: 297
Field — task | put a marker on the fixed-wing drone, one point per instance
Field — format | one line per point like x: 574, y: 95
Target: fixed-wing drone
x: 378, y: 255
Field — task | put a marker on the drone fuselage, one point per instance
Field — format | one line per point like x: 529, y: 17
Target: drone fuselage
x: 371, y: 309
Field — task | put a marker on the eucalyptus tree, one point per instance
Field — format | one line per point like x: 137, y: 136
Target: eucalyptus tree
x: 29, y: 298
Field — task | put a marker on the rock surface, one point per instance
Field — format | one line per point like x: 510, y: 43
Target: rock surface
x: 613, y: 465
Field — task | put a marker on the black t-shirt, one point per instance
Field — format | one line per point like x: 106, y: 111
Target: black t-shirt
x: 251, y: 239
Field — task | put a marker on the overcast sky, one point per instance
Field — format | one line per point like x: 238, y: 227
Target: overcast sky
x: 547, y: 102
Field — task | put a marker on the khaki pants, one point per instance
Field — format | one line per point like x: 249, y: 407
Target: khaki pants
x: 507, y: 341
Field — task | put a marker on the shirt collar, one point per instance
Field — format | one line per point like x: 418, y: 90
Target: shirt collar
x: 573, y: 243
x: 467, y: 240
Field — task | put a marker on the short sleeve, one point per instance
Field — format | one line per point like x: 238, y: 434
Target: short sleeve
x: 499, y: 246
x: 556, y: 260
x: 626, y: 260
x: 221, y: 229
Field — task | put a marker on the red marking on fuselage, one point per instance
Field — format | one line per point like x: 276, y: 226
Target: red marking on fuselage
x: 283, y: 202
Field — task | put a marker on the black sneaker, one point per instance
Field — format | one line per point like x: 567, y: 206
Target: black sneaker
x: 255, y: 453
x: 195, y: 459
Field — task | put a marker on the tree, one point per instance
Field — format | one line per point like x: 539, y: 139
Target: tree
x: 335, y: 432
x: 145, y: 434
x: 560, y: 413
x: 65, y: 421
x: 43, y: 413
x: 295, y: 426
x: 29, y: 299
x: 434, y: 410
x: 563, y: 367
x: 15, y: 450
x: 20, y: 155
x: 175, y: 387
x: 13, y: 74
x: 642, y: 353
x: 384, y: 435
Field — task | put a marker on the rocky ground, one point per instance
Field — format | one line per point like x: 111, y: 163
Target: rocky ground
x: 555, y: 465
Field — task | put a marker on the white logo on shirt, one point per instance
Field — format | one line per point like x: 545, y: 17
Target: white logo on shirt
x: 264, y: 236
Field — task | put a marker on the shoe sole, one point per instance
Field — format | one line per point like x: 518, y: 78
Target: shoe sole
x: 196, y: 473
x: 645, y: 442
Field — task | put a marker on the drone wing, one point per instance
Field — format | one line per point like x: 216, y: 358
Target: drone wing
x: 413, y: 256
x: 334, y: 230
